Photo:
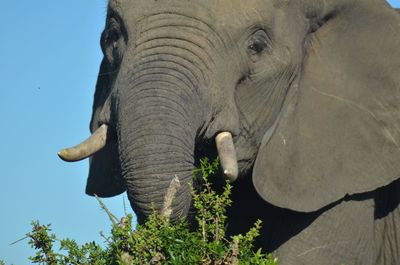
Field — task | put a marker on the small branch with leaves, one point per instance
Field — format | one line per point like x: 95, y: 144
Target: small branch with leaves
x: 158, y: 241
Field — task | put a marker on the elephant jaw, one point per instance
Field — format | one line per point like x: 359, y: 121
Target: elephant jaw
x: 224, y: 142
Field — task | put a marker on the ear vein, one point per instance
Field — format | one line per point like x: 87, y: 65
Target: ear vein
x: 352, y: 103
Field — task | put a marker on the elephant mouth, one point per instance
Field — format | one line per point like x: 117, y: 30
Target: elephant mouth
x: 89, y: 147
x: 221, y: 145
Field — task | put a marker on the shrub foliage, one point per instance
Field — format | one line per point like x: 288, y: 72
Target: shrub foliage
x: 158, y: 241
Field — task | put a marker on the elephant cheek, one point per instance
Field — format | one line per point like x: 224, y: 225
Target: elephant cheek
x: 105, y: 178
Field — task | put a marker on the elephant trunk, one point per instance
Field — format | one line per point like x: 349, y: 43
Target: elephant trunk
x: 157, y: 141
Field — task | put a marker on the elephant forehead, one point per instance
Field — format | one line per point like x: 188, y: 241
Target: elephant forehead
x: 209, y: 3
x: 224, y: 13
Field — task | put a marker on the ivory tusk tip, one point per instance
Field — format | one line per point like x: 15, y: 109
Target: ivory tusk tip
x: 232, y: 176
x: 65, y: 156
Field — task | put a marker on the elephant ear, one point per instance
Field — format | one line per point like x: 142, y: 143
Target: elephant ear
x: 339, y: 129
x: 104, y: 178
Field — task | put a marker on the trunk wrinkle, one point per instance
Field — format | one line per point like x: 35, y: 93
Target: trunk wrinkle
x: 170, y: 75
x: 171, y: 64
x: 147, y: 72
x: 179, y: 51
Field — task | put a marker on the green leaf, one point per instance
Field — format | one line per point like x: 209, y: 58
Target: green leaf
x: 159, y: 242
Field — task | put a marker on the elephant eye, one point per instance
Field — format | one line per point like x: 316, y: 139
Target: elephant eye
x: 258, y: 42
x: 112, y: 42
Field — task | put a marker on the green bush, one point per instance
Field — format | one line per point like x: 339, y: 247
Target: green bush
x: 158, y: 241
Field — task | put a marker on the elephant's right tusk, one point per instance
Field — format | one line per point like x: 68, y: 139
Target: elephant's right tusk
x: 87, y: 148
x: 227, y: 155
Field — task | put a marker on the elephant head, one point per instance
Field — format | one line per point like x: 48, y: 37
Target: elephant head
x: 308, y: 89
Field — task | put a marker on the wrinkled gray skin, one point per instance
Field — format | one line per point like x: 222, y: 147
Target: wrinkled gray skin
x: 310, y: 89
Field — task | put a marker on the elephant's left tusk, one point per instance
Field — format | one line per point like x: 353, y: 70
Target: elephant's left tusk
x: 87, y: 148
x: 227, y: 155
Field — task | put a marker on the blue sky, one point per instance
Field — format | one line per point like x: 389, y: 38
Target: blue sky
x: 50, y: 58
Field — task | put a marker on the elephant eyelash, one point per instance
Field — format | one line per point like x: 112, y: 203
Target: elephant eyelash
x: 243, y: 79
x: 246, y: 77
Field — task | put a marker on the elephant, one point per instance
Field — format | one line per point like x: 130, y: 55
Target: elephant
x: 298, y: 98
